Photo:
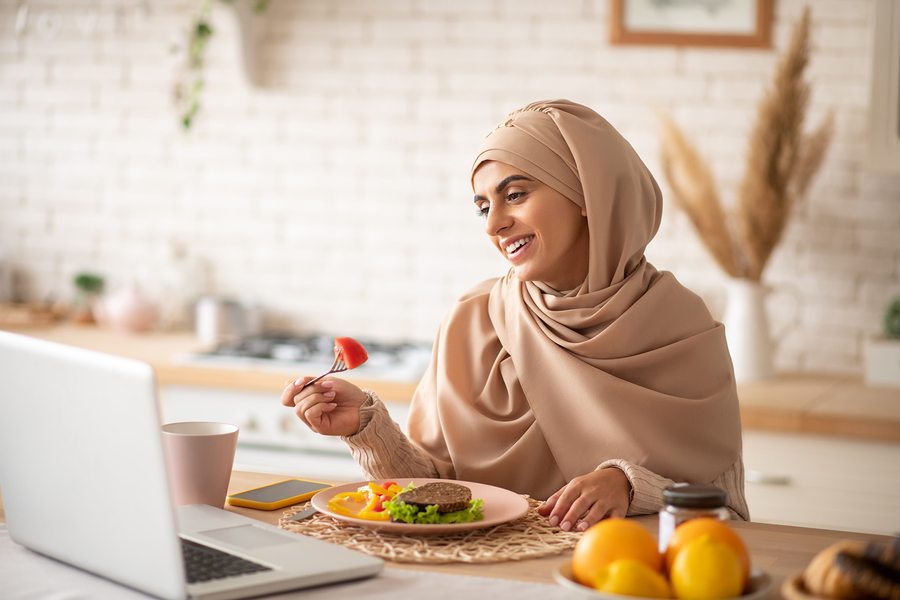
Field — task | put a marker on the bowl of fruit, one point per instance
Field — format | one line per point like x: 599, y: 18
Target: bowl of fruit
x: 705, y: 558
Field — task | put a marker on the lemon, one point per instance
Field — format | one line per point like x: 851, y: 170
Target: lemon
x: 719, y: 530
x: 706, y: 569
x: 630, y: 577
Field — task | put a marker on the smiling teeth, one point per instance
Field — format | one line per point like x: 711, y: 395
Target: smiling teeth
x: 512, y: 247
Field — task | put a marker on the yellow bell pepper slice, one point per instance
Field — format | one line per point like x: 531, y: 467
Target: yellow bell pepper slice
x: 356, y: 496
x: 378, y: 489
x: 370, y: 505
x: 334, y: 507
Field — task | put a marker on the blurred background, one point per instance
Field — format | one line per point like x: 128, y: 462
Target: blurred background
x: 331, y: 184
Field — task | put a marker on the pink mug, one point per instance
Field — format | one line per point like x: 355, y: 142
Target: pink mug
x: 199, y: 459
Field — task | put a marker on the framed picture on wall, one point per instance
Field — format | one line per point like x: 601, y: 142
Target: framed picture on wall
x: 714, y: 23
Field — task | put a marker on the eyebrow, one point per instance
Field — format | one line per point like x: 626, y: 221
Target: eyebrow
x: 505, y: 183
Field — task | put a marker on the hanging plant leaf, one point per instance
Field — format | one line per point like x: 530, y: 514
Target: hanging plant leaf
x: 188, y: 94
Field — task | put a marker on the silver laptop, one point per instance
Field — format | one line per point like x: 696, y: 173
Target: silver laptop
x: 83, y: 481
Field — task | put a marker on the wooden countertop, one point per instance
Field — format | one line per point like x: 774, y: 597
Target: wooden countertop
x: 823, y: 404
x: 779, y: 550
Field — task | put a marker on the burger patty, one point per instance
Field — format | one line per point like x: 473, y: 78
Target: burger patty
x: 449, y: 497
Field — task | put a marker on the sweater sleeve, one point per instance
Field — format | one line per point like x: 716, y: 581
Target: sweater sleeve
x: 381, y: 449
x: 647, y: 488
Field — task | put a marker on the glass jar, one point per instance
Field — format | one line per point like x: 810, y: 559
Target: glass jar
x: 686, y: 501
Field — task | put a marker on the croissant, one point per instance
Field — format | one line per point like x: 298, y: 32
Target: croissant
x: 851, y: 570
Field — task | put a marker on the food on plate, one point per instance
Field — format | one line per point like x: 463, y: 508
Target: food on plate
x: 719, y: 530
x: 706, y: 569
x: 352, y: 352
x: 611, y: 540
x: 438, y: 502
x: 448, y: 496
x: 851, y: 569
x: 367, y: 502
x: 705, y: 561
x: 433, y: 503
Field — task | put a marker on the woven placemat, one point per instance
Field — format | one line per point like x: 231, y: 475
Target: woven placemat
x: 530, y: 536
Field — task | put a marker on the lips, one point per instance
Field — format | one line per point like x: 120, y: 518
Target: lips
x: 515, y: 248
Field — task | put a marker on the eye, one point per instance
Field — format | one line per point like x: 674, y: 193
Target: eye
x: 482, y: 211
x: 513, y: 196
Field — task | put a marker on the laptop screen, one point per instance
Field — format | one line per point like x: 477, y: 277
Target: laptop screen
x: 81, y: 463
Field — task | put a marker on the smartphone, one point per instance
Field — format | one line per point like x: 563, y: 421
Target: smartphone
x: 278, y: 495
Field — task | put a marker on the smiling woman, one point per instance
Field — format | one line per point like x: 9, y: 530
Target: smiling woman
x: 541, y: 233
x: 585, y: 376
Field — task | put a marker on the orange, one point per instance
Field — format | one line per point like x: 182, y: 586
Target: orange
x: 719, y: 530
x: 611, y: 540
x: 706, y: 569
x: 629, y: 577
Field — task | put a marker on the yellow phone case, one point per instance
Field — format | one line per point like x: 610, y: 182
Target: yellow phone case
x: 235, y: 500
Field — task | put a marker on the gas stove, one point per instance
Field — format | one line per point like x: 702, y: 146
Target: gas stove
x: 314, y: 354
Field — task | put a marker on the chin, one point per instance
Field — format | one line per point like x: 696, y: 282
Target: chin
x: 524, y: 276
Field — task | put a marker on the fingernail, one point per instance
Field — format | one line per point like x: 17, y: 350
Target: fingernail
x: 299, y: 381
x: 332, y: 404
x: 328, y: 394
x: 327, y: 384
x: 554, y: 521
x: 582, y: 526
x: 566, y: 526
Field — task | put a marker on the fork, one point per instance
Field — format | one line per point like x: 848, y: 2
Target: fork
x: 337, y: 367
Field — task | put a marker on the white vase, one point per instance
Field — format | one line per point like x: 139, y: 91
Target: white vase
x: 747, y: 331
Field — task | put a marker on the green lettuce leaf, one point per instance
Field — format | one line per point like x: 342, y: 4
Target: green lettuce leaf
x: 401, y: 511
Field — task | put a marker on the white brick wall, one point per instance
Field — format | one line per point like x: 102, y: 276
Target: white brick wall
x: 337, y: 193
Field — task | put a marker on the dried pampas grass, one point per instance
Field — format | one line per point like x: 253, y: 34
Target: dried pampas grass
x: 695, y: 193
x: 781, y: 162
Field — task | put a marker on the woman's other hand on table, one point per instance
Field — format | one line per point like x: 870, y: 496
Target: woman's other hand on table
x: 593, y: 497
x: 329, y: 406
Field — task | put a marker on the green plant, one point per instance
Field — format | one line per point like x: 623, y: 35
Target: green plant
x: 892, y: 319
x: 188, y: 93
x: 89, y: 283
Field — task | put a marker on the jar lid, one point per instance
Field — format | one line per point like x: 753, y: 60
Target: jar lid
x: 694, y: 495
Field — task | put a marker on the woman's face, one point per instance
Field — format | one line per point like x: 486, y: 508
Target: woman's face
x: 543, y: 234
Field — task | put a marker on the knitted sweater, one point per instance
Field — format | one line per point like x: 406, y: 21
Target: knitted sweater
x: 383, y: 451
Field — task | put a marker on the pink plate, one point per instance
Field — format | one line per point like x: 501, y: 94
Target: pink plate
x: 500, y: 506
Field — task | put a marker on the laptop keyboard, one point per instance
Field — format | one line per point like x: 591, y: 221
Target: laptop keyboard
x: 203, y: 563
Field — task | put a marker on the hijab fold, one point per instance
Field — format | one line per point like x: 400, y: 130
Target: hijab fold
x: 530, y: 387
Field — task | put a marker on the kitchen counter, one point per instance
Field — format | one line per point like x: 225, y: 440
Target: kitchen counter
x: 162, y: 350
x: 778, y: 550
x: 831, y: 405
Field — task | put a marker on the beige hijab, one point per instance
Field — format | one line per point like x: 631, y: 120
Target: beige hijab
x: 530, y: 387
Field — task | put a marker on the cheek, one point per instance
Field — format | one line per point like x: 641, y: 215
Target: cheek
x: 572, y: 233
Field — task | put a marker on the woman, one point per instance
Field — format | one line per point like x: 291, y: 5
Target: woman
x: 585, y: 376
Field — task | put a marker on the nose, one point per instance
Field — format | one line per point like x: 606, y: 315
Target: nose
x: 497, y: 220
